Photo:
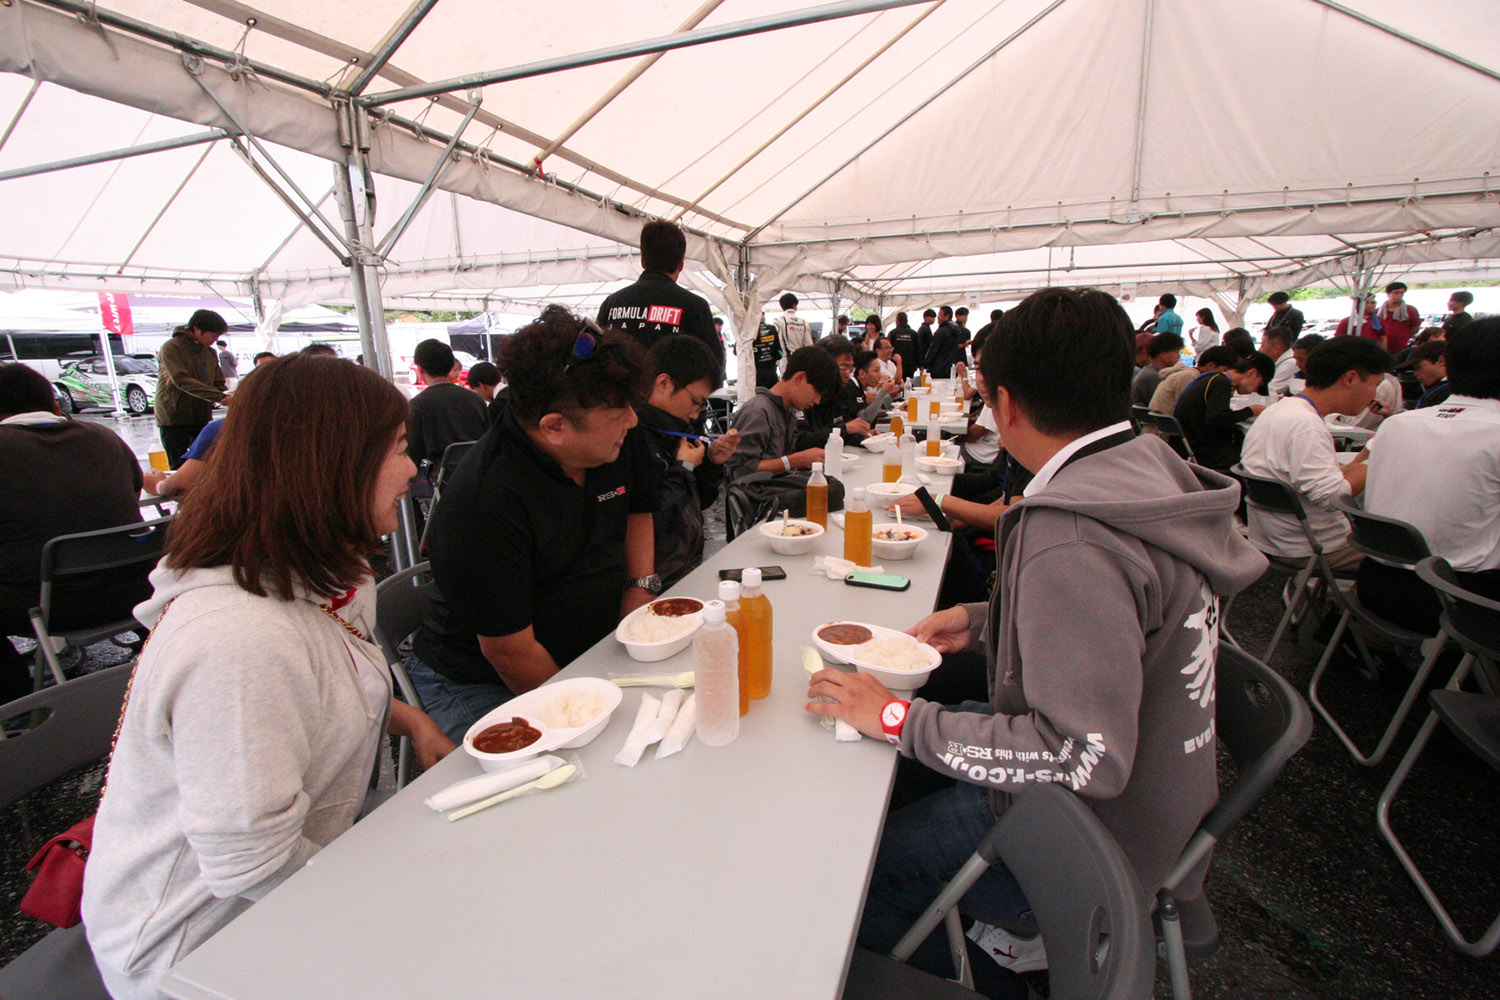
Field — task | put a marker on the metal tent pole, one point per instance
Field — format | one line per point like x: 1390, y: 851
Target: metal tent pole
x: 662, y: 43
x: 109, y: 367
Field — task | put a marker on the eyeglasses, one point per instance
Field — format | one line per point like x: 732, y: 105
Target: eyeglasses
x: 699, y: 402
x: 584, y: 345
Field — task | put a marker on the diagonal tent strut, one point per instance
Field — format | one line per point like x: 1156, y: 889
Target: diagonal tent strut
x: 110, y: 155
x: 398, y: 34
x: 662, y: 43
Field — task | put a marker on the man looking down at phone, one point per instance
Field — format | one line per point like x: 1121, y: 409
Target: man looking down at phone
x: 543, y: 539
x: 1100, y: 641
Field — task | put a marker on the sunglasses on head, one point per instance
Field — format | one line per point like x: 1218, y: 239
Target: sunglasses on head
x: 584, y: 345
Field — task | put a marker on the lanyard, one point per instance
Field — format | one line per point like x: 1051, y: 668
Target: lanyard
x: 1303, y: 396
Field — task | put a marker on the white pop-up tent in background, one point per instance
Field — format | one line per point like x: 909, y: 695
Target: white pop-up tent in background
x: 881, y: 153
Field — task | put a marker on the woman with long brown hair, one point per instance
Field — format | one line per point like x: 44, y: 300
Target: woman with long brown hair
x: 254, y: 717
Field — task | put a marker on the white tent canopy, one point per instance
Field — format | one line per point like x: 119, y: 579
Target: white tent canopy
x: 897, y: 153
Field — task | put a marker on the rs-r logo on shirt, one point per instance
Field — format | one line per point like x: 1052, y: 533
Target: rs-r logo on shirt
x: 617, y: 492
x: 664, y: 314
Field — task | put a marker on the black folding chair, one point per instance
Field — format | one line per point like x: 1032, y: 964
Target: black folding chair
x: 1394, y: 543
x: 452, y: 456
x: 1083, y: 891
x: 1262, y: 722
x: 126, y: 550
x: 1171, y: 430
x: 1140, y: 417
x: 402, y: 602
x: 1473, y: 622
x: 70, y: 725
x: 1272, y: 496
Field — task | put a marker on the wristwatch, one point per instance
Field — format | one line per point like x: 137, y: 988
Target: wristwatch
x: 893, y: 719
x: 651, y: 584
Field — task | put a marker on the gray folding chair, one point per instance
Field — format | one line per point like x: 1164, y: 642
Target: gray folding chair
x: 129, y: 548
x: 1394, y: 543
x: 1472, y: 622
x: 452, y: 456
x: 1083, y: 891
x: 1171, y: 431
x: 1275, y: 497
x: 402, y: 602
x: 1262, y: 722
x: 71, y: 725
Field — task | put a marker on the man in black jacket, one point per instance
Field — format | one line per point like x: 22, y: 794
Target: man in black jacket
x: 924, y: 336
x: 947, y: 346
x: 907, y: 343
x: 443, y: 413
x: 655, y: 306
x: 688, y: 471
x: 1203, y: 409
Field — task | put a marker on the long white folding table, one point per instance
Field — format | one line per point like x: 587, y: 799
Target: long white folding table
x: 724, y: 872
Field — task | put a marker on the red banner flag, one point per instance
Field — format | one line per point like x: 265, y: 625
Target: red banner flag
x: 114, y: 311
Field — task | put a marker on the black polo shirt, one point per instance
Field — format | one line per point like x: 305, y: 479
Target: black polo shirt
x: 516, y: 543
x: 655, y: 306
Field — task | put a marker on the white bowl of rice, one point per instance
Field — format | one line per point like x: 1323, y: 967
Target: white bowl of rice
x: 650, y: 636
x: 893, y: 658
x: 583, y: 704
x: 792, y: 536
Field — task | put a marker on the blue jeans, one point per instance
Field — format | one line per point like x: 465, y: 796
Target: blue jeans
x: 922, y: 848
x: 453, y: 705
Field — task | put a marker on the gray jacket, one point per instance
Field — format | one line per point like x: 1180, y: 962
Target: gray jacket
x: 1101, y: 642
x: 768, y: 429
x: 246, y: 747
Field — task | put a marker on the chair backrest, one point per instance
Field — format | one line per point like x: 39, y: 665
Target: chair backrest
x: 740, y: 511
x: 1262, y: 722
x: 1172, y: 431
x: 139, y: 544
x: 402, y: 601
x: 78, y: 730
x: 452, y: 456
x: 1471, y: 620
x: 1140, y: 416
x: 1386, y: 539
x: 1270, y: 494
x: 1084, y: 893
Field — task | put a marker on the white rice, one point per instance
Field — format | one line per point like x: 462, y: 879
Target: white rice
x: 896, y: 652
x: 651, y: 627
x: 572, y: 709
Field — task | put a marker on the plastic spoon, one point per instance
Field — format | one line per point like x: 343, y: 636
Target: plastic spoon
x: 682, y: 680
x: 549, y: 780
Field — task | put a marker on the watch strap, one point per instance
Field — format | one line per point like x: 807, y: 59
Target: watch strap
x: 893, y: 719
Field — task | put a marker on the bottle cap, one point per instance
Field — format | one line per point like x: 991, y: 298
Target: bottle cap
x: 729, y: 590
x: 858, y: 493
x: 751, y: 577
x: 817, y: 467
x: 713, y: 611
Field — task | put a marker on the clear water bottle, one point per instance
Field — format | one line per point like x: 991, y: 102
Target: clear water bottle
x: 833, y: 454
x: 908, y: 454
x: 716, y: 679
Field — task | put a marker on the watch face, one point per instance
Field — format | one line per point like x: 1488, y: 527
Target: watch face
x: 892, y: 714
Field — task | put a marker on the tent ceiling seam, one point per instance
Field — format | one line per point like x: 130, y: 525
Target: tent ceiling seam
x: 1035, y: 18
x: 1426, y: 46
x: 881, y: 50
x: 169, y: 202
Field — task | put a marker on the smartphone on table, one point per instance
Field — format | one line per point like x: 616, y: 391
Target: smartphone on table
x: 766, y: 573
x: 877, y: 581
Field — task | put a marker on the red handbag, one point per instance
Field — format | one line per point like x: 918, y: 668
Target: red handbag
x: 57, y: 890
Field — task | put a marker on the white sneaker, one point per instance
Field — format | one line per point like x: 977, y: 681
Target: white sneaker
x: 1018, y: 954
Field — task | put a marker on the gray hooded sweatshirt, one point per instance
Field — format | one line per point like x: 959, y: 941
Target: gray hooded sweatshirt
x: 1101, y: 642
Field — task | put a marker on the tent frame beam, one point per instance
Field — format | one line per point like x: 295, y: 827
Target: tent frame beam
x: 645, y: 47
x: 1426, y: 46
x: 339, y: 251
x: 15, y: 119
x: 106, y: 156
x: 388, y: 46
x: 1140, y: 107
x: 156, y: 220
x: 89, y: 13
x: 476, y: 97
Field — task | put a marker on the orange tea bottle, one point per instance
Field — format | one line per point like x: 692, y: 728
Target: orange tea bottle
x: 756, y: 608
x: 859, y: 530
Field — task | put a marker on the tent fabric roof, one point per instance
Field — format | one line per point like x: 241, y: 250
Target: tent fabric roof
x: 930, y: 149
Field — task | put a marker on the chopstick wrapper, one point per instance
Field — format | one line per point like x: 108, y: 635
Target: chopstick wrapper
x: 652, y: 720
x: 682, y: 729
x: 837, y: 569
x: 461, y: 793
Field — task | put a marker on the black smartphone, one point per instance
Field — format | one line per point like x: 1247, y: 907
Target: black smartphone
x: 877, y: 581
x: 766, y: 573
x: 933, y: 510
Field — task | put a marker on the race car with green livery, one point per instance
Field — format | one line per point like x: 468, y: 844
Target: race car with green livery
x: 85, y: 383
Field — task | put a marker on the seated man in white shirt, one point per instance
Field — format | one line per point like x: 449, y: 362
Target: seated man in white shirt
x: 1276, y: 344
x: 1438, y: 469
x: 1291, y: 442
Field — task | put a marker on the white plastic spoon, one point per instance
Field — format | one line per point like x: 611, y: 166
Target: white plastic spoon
x: 549, y: 780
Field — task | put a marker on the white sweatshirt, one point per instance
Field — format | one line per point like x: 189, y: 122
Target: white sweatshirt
x: 246, y: 747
